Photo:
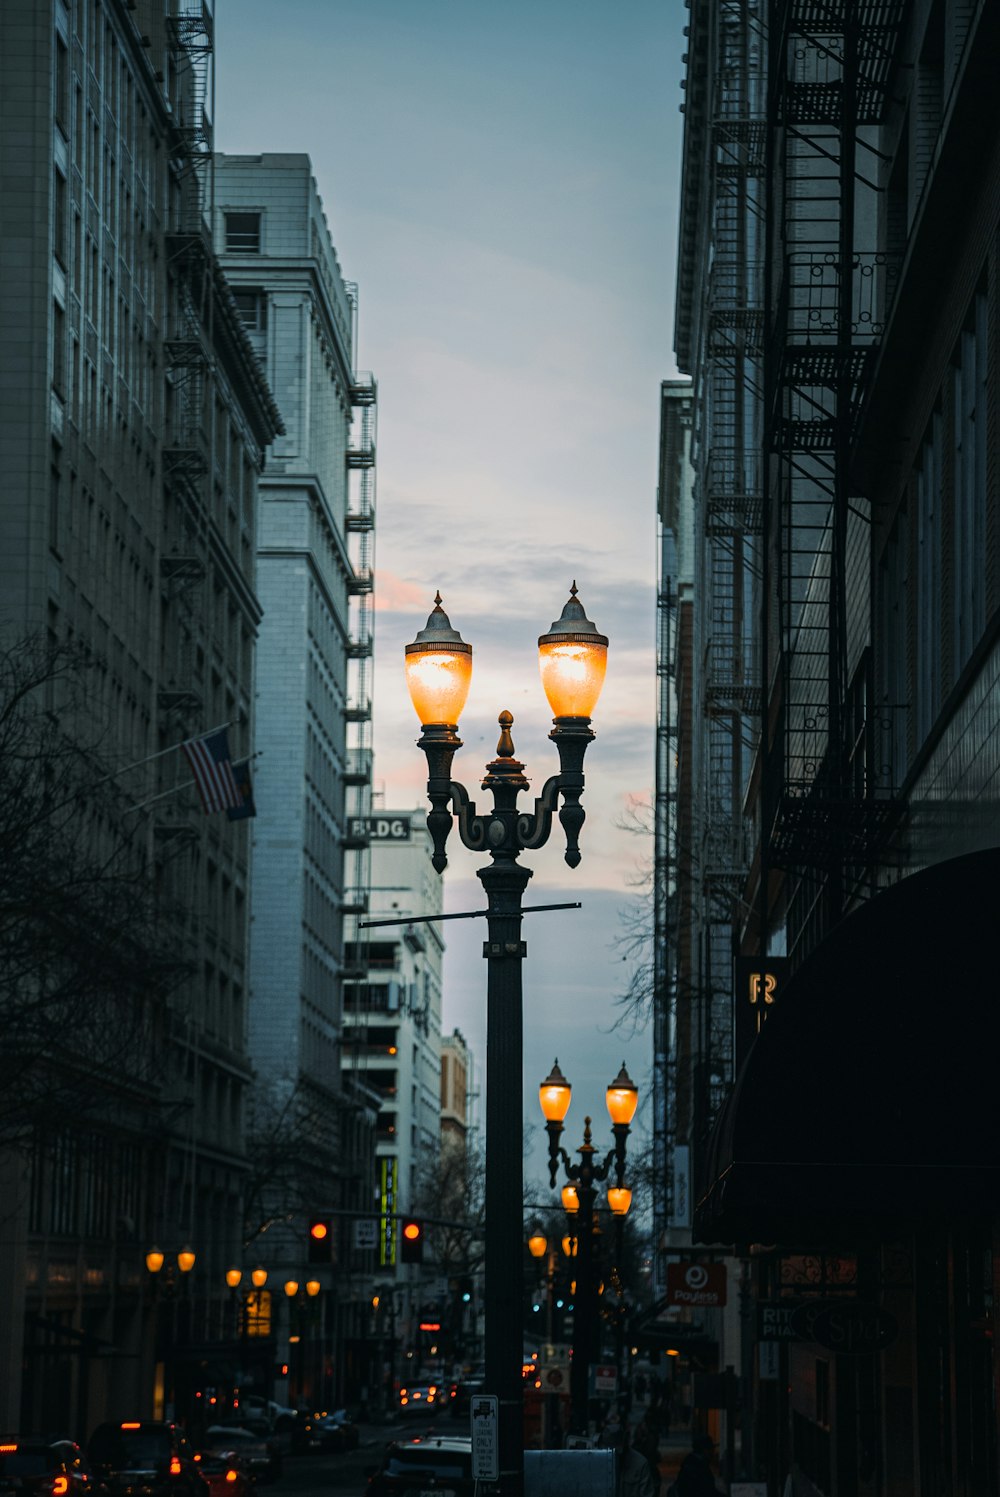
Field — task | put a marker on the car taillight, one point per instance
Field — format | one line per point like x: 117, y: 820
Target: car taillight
x: 231, y: 1475
x: 175, y: 1465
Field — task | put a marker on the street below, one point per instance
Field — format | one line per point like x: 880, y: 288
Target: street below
x: 313, y: 1475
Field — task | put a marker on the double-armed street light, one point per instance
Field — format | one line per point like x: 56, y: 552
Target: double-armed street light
x: 579, y: 1196
x: 572, y: 660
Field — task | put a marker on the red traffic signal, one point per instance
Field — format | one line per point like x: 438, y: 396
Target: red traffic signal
x: 320, y: 1239
x: 411, y: 1240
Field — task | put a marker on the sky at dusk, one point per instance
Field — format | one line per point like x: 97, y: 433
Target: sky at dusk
x: 501, y: 182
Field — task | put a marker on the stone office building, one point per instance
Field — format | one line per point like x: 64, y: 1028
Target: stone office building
x: 132, y: 430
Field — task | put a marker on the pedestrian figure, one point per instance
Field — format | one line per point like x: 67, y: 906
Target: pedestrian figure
x: 636, y: 1478
x: 645, y: 1442
x: 695, y: 1477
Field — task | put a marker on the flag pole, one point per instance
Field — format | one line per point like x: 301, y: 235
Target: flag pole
x: 141, y: 805
x: 181, y: 784
x: 159, y: 755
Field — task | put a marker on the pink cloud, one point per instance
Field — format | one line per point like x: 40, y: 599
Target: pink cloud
x: 393, y: 593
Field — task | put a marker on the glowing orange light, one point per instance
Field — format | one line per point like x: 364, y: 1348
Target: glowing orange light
x: 175, y: 1465
x: 411, y: 1231
x: 319, y: 1230
x: 135, y: 1425
x: 60, y: 1486
x: 231, y: 1475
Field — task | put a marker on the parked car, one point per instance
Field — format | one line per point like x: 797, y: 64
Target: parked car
x: 336, y: 1432
x: 259, y: 1455
x: 280, y: 1417
x: 461, y: 1394
x: 31, y: 1468
x: 442, y: 1465
x: 82, y: 1480
x: 224, y: 1473
x: 145, y: 1458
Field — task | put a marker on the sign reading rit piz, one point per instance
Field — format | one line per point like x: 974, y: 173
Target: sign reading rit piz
x: 701, y: 1284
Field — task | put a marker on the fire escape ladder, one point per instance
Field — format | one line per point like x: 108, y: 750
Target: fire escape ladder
x: 831, y: 69
x: 360, y: 527
x: 187, y: 354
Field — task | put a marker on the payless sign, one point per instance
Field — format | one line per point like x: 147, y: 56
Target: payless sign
x: 701, y: 1284
x: 758, y: 984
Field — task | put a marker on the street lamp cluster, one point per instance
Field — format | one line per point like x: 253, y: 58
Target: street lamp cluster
x: 186, y: 1260
x: 572, y: 659
x: 579, y: 1199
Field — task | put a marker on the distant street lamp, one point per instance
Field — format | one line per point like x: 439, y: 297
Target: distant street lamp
x: 572, y: 660
x: 622, y: 1097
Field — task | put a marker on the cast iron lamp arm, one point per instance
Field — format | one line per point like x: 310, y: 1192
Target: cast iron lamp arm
x: 534, y: 827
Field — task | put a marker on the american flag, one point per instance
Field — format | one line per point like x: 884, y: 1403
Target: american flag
x: 212, y: 767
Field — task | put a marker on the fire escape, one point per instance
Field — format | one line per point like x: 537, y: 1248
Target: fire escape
x: 360, y: 526
x: 824, y: 802
x: 187, y: 356
x: 730, y: 510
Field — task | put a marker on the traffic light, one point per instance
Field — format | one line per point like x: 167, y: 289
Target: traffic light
x: 411, y: 1240
x: 320, y: 1239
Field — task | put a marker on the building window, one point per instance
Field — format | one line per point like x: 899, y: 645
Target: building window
x: 59, y: 219
x: 62, y: 86
x: 243, y: 233
x: 252, y: 307
x: 969, y: 385
x: 58, y: 350
x: 929, y: 573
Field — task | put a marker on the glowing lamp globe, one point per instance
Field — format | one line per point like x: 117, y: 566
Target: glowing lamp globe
x: 569, y: 1246
x: 622, y: 1097
x: 554, y: 1095
x: 259, y: 1278
x: 234, y: 1277
x: 619, y: 1199
x: 313, y: 1287
x: 291, y: 1287
x: 154, y: 1260
x: 570, y: 1199
x: 185, y: 1260
x: 438, y: 670
x: 572, y: 658
x: 537, y: 1243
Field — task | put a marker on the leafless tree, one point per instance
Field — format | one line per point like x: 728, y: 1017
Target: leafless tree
x: 85, y: 958
x: 634, y: 941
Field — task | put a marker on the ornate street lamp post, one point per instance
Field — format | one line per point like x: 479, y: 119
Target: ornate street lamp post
x: 572, y: 660
x: 579, y: 1197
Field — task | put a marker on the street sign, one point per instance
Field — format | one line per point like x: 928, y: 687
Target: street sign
x: 366, y: 1232
x: 774, y: 1320
x: 485, y: 1438
x: 702, y: 1284
x: 850, y: 1327
x: 604, y: 1381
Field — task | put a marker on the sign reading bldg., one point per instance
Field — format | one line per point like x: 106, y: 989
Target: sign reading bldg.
x: 382, y: 828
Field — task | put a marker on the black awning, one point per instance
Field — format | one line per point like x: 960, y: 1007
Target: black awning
x: 873, y: 1093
